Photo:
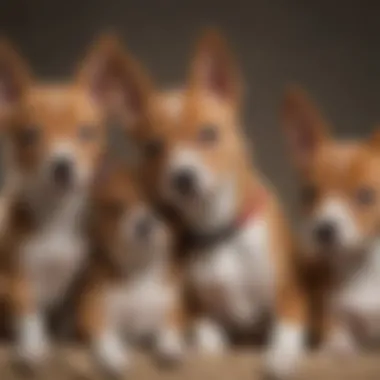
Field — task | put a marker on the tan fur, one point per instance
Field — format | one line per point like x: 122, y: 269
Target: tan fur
x: 208, y: 100
x: 55, y: 112
x: 328, y: 167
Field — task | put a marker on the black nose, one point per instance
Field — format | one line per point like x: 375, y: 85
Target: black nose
x: 62, y: 171
x: 184, y: 181
x: 144, y: 226
x: 325, y: 233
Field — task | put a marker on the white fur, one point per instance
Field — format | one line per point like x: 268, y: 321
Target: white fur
x: 111, y: 353
x: 62, y: 149
x: 187, y: 158
x: 67, y: 149
x: 210, y: 337
x: 285, y: 349
x: 53, y: 255
x: 32, y: 342
x: 170, y: 344
x: 215, y: 202
x: 138, y: 306
x: 235, y: 279
x: 336, y: 211
x: 358, y: 297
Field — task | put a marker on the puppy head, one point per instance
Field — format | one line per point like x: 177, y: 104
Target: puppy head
x: 55, y: 133
x: 339, y: 185
x: 193, y: 155
x: 123, y: 223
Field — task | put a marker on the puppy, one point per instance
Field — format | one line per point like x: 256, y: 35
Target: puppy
x: 129, y: 291
x: 340, y: 206
x: 54, y: 136
x: 236, y: 253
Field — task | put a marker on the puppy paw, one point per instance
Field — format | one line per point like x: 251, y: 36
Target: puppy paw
x: 284, y: 353
x: 280, y: 365
x: 210, y: 338
x: 32, y: 347
x: 111, y: 356
x: 339, y: 344
x: 170, y: 347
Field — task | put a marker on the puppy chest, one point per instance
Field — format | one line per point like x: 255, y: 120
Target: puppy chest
x: 138, y: 308
x: 362, y: 303
x: 51, y: 258
x: 237, y: 270
x: 359, y: 299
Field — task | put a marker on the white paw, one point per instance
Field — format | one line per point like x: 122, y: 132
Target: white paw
x: 32, y: 346
x: 280, y: 364
x: 170, y: 346
x: 210, y: 338
x: 285, y: 351
x: 111, y: 355
x: 339, y: 344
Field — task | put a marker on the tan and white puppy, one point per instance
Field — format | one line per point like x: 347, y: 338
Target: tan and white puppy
x: 237, y: 256
x: 340, y: 223
x: 129, y: 293
x: 54, y: 136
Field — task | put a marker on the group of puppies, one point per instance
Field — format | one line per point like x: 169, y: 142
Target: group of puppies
x: 188, y: 247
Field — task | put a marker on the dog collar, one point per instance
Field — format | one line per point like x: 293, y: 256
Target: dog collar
x: 194, y: 240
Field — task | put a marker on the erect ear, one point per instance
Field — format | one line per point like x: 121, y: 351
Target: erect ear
x: 304, y: 126
x: 14, y: 76
x: 374, y: 139
x: 214, y: 69
x: 115, y: 80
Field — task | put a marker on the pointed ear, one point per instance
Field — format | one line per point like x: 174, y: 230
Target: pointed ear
x: 14, y: 76
x: 214, y: 69
x: 374, y: 139
x: 115, y: 80
x: 304, y: 126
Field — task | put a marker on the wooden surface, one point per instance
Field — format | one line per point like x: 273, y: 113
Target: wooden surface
x: 74, y: 364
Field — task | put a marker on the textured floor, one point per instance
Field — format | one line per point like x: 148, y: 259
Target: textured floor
x: 73, y: 364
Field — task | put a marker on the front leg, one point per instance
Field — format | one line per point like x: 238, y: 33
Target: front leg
x: 210, y: 337
x: 110, y: 352
x: 31, y: 339
x: 170, y: 344
x: 287, y: 340
x: 107, y: 347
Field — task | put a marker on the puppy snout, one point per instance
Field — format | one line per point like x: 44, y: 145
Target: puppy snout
x: 144, y: 226
x: 184, y: 181
x: 325, y: 233
x: 62, y: 171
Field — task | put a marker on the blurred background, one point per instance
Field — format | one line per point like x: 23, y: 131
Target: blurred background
x: 332, y: 48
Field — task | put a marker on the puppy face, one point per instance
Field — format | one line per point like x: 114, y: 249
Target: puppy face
x: 123, y: 223
x: 54, y: 133
x: 193, y: 155
x: 339, y: 185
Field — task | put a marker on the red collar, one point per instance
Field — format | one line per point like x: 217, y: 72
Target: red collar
x: 198, y: 242
x: 254, y: 206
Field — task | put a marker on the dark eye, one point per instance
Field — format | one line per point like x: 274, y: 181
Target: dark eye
x: 365, y: 196
x: 87, y: 132
x: 28, y: 136
x: 309, y: 194
x: 208, y: 134
x: 153, y: 148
